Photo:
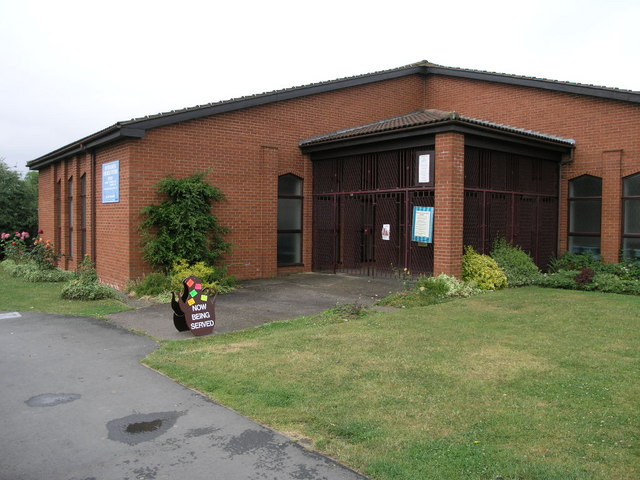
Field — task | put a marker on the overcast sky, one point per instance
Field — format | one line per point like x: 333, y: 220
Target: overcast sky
x: 70, y: 68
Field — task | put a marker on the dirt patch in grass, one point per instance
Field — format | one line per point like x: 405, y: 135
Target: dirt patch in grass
x: 498, y: 363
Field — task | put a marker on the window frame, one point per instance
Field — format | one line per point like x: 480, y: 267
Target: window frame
x: 624, y: 216
x: 299, y: 231
x: 572, y: 200
x: 70, y: 217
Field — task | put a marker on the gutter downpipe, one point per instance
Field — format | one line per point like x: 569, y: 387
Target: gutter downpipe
x: 560, y: 205
x: 93, y: 206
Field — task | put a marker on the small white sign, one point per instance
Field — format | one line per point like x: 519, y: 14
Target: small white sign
x: 386, y: 231
x: 424, y: 162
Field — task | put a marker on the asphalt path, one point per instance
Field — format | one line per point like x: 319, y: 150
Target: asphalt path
x: 76, y: 404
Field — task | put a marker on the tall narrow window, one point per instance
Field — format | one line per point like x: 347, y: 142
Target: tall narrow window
x: 631, y: 230
x: 57, y: 217
x: 70, y: 214
x: 83, y: 215
x: 289, y: 220
x: 585, y: 211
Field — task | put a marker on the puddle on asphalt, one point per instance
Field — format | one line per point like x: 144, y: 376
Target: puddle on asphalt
x: 139, y: 427
x: 143, y: 427
x: 51, y: 399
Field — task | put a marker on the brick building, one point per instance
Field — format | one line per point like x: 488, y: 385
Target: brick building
x: 351, y: 175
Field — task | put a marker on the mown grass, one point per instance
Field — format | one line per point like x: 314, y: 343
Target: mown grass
x: 519, y: 384
x: 18, y: 295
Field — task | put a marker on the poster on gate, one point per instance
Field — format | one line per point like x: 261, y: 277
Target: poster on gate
x: 386, y: 231
x: 422, y: 225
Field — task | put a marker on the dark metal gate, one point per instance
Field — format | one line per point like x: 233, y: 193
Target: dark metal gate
x: 513, y: 197
x: 354, y: 198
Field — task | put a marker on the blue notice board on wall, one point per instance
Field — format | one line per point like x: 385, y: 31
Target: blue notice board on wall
x: 111, y: 182
x: 422, y: 230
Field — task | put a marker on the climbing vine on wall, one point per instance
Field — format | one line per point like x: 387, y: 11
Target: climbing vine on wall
x: 183, y: 226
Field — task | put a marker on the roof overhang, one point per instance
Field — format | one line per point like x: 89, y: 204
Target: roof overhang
x: 109, y: 135
x: 420, y: 128
x: 137, y: 127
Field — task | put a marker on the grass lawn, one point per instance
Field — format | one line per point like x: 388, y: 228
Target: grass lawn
x: 519, y: 384
x: 18, y: 295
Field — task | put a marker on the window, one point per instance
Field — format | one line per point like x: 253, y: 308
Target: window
x: 289, y: 220
x: 585, y: 209
x: 631, y: 217
x: 70, y: 251
x: 57, y: 216
x: 83, y: 215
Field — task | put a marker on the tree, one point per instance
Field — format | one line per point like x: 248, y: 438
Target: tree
x: 183, y: 227
x: 18, y: 201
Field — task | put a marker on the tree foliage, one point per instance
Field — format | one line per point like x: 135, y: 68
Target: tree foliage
x: 18, y: 201
x: 183, y: 227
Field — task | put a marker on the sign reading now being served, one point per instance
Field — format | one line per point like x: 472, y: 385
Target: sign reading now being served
x: 111, y: 182
x: 195, y: 309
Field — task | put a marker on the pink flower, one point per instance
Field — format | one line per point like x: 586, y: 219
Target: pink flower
x: 24, y: 235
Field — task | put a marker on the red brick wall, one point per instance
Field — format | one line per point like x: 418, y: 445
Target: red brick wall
x: 449, y: 204
x: 246, y: 151
x: 606, y: 133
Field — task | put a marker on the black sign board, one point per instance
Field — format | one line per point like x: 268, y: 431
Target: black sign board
x: 195, y: 309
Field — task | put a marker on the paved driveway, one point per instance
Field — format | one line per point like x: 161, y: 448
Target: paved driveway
x: 75, y: 404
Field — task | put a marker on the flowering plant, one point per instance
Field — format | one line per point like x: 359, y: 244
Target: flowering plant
x: 43, y: 252
x: 15, y: 246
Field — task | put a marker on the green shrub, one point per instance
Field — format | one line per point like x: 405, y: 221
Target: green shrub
x: 561, y: 279
x: 626, y: 270
x: 483, y: 270
x: 83, y: 289
x: 34, y: 272
x: 517, y: 264
x: 610, y: 283
x: 574, y: 261
x: 214, y: 278
x: 153, y: 284
x: 182, y: 226
x: 445, y: 286
x: 85, y: 284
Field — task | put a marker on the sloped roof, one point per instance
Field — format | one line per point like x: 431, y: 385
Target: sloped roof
x: 136, y: 127
x: 420, y: 118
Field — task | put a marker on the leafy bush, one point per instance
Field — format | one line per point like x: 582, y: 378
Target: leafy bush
x: 585, y: 276
x: 34, y: 272
x: 43, y: 252
x: 82, y: 289
x: 517, y: 264
x: 574, y: 261
x: 153, y: 284
x: 85, y: 285
x: 182, y: 227
x: 562, y: 279
x: 214, y: 278
x: 445, y: 286
x: 483, y: 270
x: 610, y: 283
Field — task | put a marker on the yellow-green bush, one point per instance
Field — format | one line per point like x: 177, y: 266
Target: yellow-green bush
x: 483, y: 270
x: 182, y: 269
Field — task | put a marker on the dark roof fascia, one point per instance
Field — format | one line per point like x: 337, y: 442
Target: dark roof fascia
x: 267, y: 98
x: 424, y: 135
x: 101, y: 138
x: 592, y: 91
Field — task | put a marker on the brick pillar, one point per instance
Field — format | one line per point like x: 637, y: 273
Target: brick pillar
x: 611, y: 223
x: 449, y: 204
